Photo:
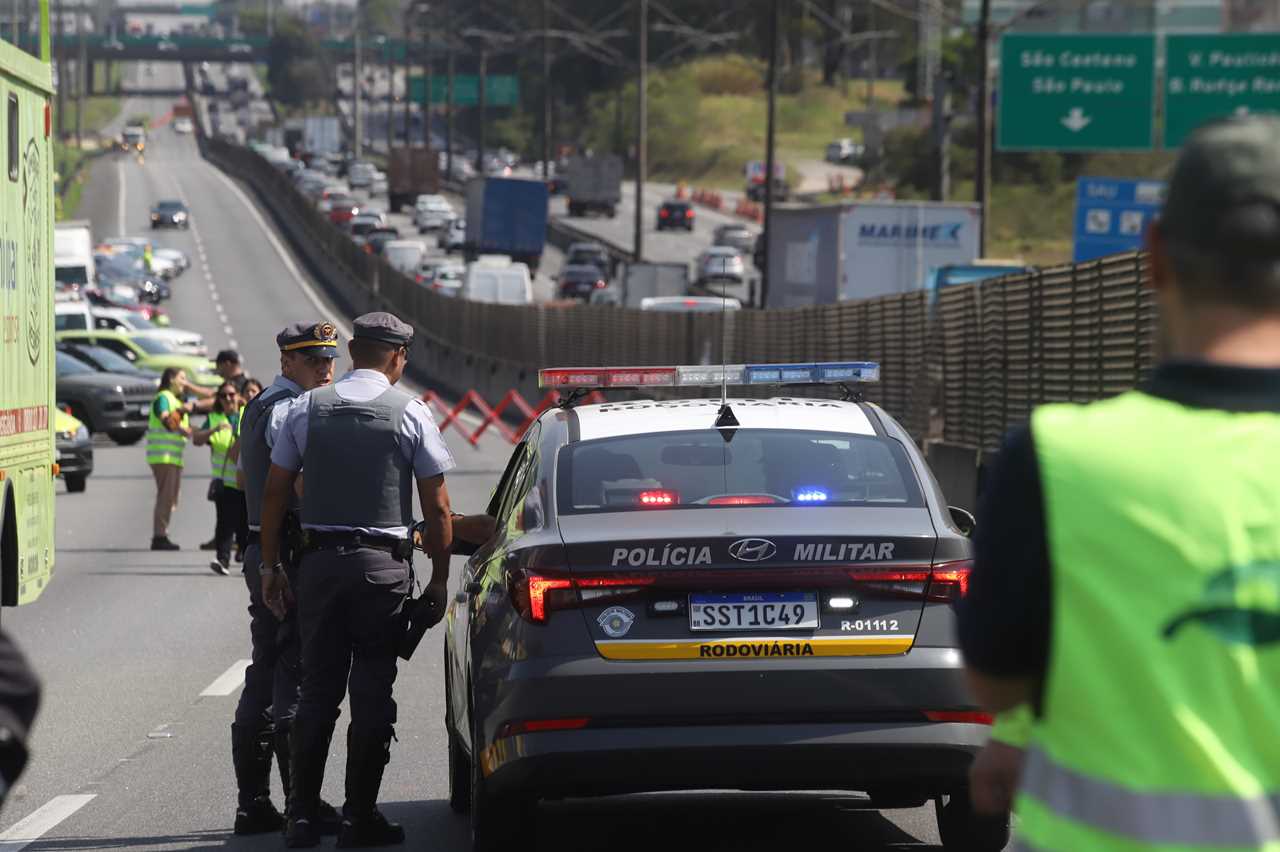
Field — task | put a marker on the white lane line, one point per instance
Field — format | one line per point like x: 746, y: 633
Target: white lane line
x: 269, y: 232
x: 229, y: 681
x: 44, y: 818
x: 227, y: 330
x: 232, y: 342
x: 120, y: 208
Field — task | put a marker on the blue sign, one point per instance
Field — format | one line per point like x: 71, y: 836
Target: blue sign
x: 1112, y: 214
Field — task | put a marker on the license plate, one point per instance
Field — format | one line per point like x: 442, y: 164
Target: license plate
x: 754, y: 611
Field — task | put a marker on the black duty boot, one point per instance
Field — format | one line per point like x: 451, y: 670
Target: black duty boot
x: 251, y: 756
x: 328, y: 820
x: 308, y: 751
x: 368, y: 750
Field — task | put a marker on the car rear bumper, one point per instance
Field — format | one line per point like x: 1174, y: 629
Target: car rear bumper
x: 75, y: 459
x: 899, y: 758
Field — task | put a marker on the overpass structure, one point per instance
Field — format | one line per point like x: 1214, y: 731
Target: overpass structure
x: 202, y: 48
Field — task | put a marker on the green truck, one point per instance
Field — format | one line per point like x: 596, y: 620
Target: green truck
x: 28, y: 460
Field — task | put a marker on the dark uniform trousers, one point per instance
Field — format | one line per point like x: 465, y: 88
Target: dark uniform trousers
x: 348, y: 612
x: 271, y: 681
x: 349, y: 604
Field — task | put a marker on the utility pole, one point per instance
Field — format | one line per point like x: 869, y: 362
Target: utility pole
x: 774, y: 26
x: 982, y: 169
x: 546, y: 89
x: 81, y: 75
x: 942, y: 135
x: 408, y: 71
x: 357, y: 114
x: 642, y: 127
x: 873, y: 70
x: 448, y: 92
x: 271, y: 19
x: 480, y: 98
x: 428, y: 81
x: 389, y: 59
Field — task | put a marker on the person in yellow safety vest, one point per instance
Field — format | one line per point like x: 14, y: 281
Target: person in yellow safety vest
x: 168, y: 428
x: 1126, y: 583
x: 221, y: 431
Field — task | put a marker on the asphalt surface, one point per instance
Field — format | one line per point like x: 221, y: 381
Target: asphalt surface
x: 139, y: 651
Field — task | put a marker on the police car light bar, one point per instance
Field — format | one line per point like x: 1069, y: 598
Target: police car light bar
x: 825, y: 373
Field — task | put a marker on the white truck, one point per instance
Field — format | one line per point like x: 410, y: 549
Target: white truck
x: 820, y: 255
x: 321, y: 134
x: 73, y: 265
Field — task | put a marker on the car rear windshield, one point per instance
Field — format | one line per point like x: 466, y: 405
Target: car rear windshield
x: 69, y: 365
x: 170, y: 206
x: 71, y: 275
x: 153, y: 345
x: 758, y: 467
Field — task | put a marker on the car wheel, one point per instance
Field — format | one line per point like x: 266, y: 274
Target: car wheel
x: 459, y: 764
x: 76, y: 482
x: 499, y: 823
x: 962, y: 830
x: 127, y: 437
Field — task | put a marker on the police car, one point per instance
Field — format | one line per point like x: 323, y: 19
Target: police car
x: 715, y: 593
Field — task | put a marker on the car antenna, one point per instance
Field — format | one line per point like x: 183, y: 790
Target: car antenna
x: 726, y: 421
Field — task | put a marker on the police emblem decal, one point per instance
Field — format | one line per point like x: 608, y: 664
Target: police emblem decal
x: 325, y: 331
x: 616, y: 621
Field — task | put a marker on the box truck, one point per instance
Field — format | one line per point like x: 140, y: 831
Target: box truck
x: 819, y: 255
x: 507, y: 216
x: 73, y: 265
x: 593, y: 185
x: 411, y: 171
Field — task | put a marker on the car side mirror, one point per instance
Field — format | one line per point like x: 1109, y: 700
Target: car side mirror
x: 963, y: 519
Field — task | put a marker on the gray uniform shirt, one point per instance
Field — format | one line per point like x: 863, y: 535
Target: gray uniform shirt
x: 420, y: 441
x: 275, y: 420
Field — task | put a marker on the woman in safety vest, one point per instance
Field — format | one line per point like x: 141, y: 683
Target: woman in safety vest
x: 221, y: 431
x: 168, y: 428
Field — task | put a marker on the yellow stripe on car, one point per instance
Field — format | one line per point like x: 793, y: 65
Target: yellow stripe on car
x: 754, y: 648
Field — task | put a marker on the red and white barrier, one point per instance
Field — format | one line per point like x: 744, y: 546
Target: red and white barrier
x: 492, y: 416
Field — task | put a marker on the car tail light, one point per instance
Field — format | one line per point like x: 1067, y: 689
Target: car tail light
x: 663, y: 213
x: 600, y: 285
x: 419, y: 278
x: 534, y: 726
x: 536, y: 596
x: 658, y: 498
x: 975, y: 717
x: 688, y: 214
x: 949, y: 581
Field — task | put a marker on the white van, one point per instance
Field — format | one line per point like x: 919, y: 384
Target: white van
x: 502, y: 285
x: 404, y: 255
x: 73, y: 255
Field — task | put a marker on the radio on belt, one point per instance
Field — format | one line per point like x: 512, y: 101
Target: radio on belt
x: 825, y: 373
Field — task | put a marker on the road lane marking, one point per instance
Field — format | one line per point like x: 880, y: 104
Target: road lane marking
x: 229, y: 681
x: 120, y: 208
x: 36, y: 824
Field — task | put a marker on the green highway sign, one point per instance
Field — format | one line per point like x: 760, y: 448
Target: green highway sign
x: 499, y: 89
x: 1211, y: 76
x: 1076, y: 93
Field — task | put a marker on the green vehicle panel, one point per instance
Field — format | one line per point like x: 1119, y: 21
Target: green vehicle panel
x: 199, y: 370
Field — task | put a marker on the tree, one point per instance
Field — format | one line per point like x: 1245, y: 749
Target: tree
x: 296, y: 70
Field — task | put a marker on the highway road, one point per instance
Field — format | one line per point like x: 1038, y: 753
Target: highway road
x: 142, y: 653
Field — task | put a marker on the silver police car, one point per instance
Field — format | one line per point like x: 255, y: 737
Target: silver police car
x: 696, y: 594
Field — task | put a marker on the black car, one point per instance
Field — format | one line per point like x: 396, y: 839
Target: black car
x: 589, y: 254
x: 118, y: 403
x: 675, y: 214
x: 665, y: 606
x: 579, y: 281
x: 170, y: 214
x: 75, y: 453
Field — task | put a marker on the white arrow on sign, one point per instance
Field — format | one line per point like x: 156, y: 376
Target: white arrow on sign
x: 1076, y: 120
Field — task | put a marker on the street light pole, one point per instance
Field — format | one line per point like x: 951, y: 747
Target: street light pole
x: 357, y: 92
x: 642, y: 127
x: 546, y: 89
x: 774, y: 20
x: 408, y: 71
x: 982, y: 169
x: 448, y: 94
x: 480, y: 97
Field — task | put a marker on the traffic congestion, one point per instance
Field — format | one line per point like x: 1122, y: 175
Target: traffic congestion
x: 355, y: 495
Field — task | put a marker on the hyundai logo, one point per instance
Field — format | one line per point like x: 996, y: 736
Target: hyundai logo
x: 752, y: 549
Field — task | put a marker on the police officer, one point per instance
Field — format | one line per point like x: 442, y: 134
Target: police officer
x: 270, y: 696
x: 362, y: 444
x: 1127, y: 576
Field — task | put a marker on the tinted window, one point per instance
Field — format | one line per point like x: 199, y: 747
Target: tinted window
x: 71, y: 275
x: 768, y: 466
x: 152, y: 345
x: 108, y: 360
x: 69, y: 365
x: 69, y: 322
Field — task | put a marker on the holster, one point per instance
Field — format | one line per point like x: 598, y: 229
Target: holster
x: 417, y: 616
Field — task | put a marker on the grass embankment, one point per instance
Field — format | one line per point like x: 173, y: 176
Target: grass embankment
x: 70, y: 163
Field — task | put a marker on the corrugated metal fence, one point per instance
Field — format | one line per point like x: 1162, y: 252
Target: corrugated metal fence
x: 963, y: 369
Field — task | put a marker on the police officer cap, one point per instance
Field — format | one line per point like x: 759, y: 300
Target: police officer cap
x: 313, y: 338
x: 1224, y: 193
x: 383, y: 327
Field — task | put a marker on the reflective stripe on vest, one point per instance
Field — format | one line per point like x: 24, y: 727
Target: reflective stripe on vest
x: 1163, y: 679
x: 165, y: 446
x: 1150, y: 817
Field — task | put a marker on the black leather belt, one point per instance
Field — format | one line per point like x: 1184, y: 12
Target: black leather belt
x: 313, y: 540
